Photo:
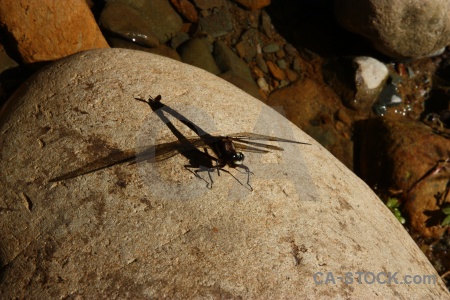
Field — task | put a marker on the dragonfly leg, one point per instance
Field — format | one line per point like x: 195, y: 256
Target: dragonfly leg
x: 247, y: 170
x: 201, y: 169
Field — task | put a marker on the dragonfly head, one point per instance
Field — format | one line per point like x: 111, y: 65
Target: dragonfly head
x: 237, y: 158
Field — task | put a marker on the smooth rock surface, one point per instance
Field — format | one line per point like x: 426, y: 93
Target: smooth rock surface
x: 46, y: 30
x: 155, y: 230
x: 400, y: 29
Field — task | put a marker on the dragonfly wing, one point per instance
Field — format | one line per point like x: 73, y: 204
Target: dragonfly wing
x: 255, y: 136
x: 271, y: 147
x: 247, y: 148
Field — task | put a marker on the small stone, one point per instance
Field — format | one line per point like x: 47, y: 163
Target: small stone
x: 262, y: 83
x: 280, y: 53
x: 262, y: 63
x: 227, y: 60
x: 291, y: 75
x: 271, y: 48
x: 297, y: 64
x: 281, y: 64
x: 290, y: 50
x: 257, y: 71
x: 371, y: 71
x: 275, y: 71
x: 343, y: 116
x: 240, y: 49
x: 266, y: 24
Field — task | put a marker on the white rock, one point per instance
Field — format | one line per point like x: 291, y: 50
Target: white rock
x: 371, y: 72
x: 154, y: 230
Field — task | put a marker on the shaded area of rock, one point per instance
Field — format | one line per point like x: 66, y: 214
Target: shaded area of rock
x: 44, y: 31
x: 304, y: 103
x: 197, y: 52
x: 396, y: 155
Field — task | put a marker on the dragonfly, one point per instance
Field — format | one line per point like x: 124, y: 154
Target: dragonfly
x: 228, y: 151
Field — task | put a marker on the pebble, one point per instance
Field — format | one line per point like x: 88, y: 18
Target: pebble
x: 266, y: 24
x: 257, y: 71
x: 343, y: 116
x: 271, y: 48
x: 297, y: 64
x: 291, y: 75
x: 179, y: 39
x: 370, y: 71
x: 261, y: 63
x: 281, y: 63
x: 275, y: 71
x: 262, y: 83
x: 280, y: 53
x: 290, y: 50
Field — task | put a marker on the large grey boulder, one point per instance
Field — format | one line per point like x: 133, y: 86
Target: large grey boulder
x: 155, y: 230
x: 398, y: 28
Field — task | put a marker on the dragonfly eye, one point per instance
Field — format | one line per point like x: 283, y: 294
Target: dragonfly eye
x: 237, y: 158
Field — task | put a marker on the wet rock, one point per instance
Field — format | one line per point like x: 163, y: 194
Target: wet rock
x: 197, y: 52
x: 46, y: 30
x: 128, y: 231
x: 162, y: 50
x: 397, y: 155
x: 227, y: 60
x: 370, y: 77
x: 186, y: 9
x: 158, y: 15
x: 217, y: 24
x: 124, y: 21
x: 253, y: 4
x: 400, y: 29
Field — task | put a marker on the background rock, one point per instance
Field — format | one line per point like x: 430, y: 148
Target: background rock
x: 153, y: 230
x: 400, y: 29
x: 46, y: 30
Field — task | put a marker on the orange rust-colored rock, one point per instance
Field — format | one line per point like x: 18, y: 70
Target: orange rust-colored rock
x: 186, y: 8
x: 253, y: 4
x: 275, y: 71
x: 46, y: 30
